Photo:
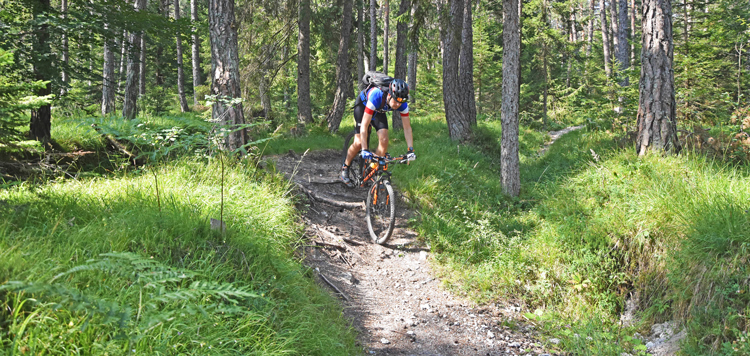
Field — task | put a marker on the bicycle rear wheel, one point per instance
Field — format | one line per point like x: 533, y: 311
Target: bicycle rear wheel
x: 381, y: 211
x: 356, y: 167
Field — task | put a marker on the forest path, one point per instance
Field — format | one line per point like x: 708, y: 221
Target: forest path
x: 554, y: 135
x: 390, y: 293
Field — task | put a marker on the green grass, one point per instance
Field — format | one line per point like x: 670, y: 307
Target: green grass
x: 592, y: 224
x: 315, y: 137
x: 587, y: 228
x: 173, y: 285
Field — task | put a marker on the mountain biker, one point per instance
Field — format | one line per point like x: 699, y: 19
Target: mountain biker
x: 366, y: 114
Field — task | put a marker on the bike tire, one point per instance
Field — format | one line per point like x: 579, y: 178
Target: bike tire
x: 380, y: 212
x: 356, y: 167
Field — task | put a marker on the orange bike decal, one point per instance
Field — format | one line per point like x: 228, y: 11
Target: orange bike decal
x: 374, y: 195
x: 368, y: 176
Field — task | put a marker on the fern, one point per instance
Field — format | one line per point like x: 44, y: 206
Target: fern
x: 174, y: 293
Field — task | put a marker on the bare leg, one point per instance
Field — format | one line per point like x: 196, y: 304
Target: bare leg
x: 354, y: 149
x: 382, y: 142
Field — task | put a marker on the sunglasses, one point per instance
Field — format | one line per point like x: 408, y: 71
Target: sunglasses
x: 400, y: 100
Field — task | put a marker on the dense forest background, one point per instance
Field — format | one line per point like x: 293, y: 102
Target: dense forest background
x: 148, y: 81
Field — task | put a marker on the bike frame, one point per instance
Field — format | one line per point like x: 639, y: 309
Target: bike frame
x: 376, y: 175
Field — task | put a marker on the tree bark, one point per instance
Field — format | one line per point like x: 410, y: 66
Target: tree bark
x: 304, y: 110
x: 342, y: 70
x: 459, y: 126
x: 509, y: 160
x: 196, y: 51
x: 142, y: 68
x: 65, y: 76
x: 129, y: 106
x: 225, y: 72
x: 386, y: 20
x: 633, y: 12
x: 623, y: 57
x: 413, y: 53
x: 360, y: 44
x: 180, y: 68
x: 400, y: 65
x: 605, y: 39
x: 590, y: 29
x: 108, y: 77
x: 373, y: 35
x: 466, y: 66
x: 614, y: 30
x: 41, y: 118
x: 657, y: 126
x: 123, y: 60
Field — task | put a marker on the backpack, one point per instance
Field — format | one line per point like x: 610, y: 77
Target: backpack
x: 373, y: 79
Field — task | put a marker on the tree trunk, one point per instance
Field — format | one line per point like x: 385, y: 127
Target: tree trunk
x: 545, y: 74
x: 129, y: 106
x: 400, y: 65
x: 413, y: 54
x: 633, y: 12
x: 373, y: 35
x: 614, y: 31
x: 180, y: 68
x: 605, y: 39
x: 459, y: 126
x: 159, y: 61
x: 304, y: 110
x: 225, y: 72
x: 264, y: 87
x: 386, y: 19
x: 623, y: 57
x: 142, y: 68
x: 65, y: 76
x: 41, y: 118
x: 657, y: 126
x: 509, y: 160
x: 196, y: 51
x: 108, y: 77
x: 342, y: 70
x: 360, y: 43
x: 590, y: 29
x: 123, y: 60
x: 466, y: 66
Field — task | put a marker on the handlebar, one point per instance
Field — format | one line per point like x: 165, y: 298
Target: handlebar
x: 399, y: 159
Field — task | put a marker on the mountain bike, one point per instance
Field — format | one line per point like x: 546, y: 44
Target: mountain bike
x: 380, y: 205
x: 357, y: 166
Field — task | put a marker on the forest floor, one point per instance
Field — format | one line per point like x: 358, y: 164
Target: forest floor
x: 390, y: 292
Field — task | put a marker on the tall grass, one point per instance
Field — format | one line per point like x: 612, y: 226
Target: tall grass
x: 79, y: 254
x: 594, y: 224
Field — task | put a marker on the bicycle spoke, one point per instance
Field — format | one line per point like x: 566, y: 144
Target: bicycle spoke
x: 380, y: 211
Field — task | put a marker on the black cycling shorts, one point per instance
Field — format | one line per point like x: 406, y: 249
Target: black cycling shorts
x: 379, y: 119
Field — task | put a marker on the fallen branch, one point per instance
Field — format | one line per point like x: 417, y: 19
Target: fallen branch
x: 323, y: 243
x: 334, y: 287
x: 331, y: 236
x: 116, y: 144
x: 337, y: 203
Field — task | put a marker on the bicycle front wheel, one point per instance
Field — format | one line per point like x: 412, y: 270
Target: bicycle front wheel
x: 381, y: 211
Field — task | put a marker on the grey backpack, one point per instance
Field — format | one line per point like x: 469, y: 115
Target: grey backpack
x: 373, y: 79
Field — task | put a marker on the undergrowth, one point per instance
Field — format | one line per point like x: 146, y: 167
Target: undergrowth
x: 594, y: 225
x: 108, y: 266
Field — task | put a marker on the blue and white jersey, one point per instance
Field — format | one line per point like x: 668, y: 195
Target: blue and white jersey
x: 375, y: 98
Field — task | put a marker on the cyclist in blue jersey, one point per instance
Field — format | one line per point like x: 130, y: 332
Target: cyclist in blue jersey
x: 371, y: 111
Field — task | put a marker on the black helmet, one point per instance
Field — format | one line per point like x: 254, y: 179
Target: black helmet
x: 399, y: 89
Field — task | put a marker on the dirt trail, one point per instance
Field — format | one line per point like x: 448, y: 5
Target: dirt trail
x: 389, y: 292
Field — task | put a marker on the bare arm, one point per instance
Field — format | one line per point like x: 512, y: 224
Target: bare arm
x: 366, y: 118
x: 407, y: 131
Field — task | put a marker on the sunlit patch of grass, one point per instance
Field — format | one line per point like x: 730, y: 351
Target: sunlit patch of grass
x: 55, y: 227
